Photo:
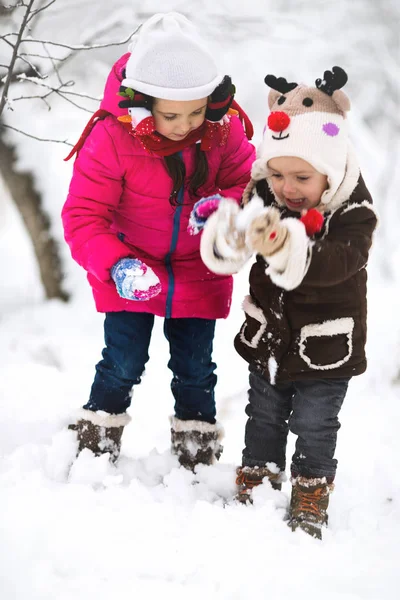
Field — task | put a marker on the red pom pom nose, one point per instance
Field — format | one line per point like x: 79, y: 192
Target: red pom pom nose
x: 278, y: 121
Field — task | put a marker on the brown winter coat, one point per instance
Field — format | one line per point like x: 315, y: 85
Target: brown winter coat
x: 318, y: 329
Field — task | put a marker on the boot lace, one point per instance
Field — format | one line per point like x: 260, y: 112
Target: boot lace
x: 309, y: 502
x: 243, y: 480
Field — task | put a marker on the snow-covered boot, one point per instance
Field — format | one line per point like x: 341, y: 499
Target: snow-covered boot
x: 249, y: 477
x: 196, y: 442
x: 309, y: 505
x: 100, y: 432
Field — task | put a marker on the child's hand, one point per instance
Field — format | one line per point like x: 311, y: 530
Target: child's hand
x: 134, y: 280
x: 266, y: 234
x: 229, y: 237
x: 201, y: 211
x: 223, y: 242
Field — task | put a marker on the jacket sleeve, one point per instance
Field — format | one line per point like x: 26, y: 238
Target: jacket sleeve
x: 237, y: 157
x: 344, y: 251
x: 94, y: 193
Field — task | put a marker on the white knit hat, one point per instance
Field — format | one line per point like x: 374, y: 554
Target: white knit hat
x: 168, y: 60
x: 308, y: 123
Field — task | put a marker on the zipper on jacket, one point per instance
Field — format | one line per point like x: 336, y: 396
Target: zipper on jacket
x: 174, y: 241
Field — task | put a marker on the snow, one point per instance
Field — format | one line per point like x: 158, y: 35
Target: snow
x: 272, y: 368
x: 85, y: 529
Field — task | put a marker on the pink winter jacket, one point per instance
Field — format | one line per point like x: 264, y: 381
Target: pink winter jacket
x: 118, y: 206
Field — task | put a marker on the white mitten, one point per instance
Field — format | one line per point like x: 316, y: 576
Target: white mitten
x: 223, y: 244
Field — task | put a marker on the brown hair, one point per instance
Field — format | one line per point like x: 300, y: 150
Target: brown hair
x: 176, y: 168
x: 177, y: 172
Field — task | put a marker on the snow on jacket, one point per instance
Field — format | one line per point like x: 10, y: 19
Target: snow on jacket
x: 314, y: 326
x: 118, y: 206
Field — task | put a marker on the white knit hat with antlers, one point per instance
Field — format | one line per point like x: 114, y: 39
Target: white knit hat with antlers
x: 168, y: 60
x: 308, y: 123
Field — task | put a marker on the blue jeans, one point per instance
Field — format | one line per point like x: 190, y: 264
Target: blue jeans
x: 127, y: 338
x: 309, y: 409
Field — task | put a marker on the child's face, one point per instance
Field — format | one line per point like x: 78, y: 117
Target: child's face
x: 296, y: 183
x: 175, y: 119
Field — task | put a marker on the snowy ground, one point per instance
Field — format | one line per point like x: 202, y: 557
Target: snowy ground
x: 142, y: 529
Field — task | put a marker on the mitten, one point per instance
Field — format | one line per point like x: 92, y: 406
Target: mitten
x: 222, y: 245
x: 266, y: 234
x: 201, y: 211
x: 229, y: 239
x: 134, y: 280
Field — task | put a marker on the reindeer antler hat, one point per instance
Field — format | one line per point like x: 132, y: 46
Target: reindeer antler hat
x: 308, y: 123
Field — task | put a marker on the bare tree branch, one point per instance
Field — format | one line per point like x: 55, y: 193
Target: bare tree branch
x: 63, y: 96
x: 81, y: 47
x: 55, y: 67
x: 38, y: 10
x: 38, y: 56
x: 15, y: 55
x: 3, y: 37
x: 53, y: 89
x: 56, y: 90
x: 32, y: 67
x: 34, y: 137
x: 80, y: 95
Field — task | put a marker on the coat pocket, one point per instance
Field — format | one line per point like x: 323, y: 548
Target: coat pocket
x: 255, y: 324
x: 327, y: 345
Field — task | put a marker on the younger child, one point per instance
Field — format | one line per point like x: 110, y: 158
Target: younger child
x: 305, y: 327
x: 153, y: 163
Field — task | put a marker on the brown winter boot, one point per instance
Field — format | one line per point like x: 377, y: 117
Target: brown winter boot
x: 249, y: 477
x: 100, y: 432
x: 196, y: 442
x: 309, y: 505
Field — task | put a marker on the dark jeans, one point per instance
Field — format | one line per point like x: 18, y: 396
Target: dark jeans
x: 127, y: 337
x: 309, y: 409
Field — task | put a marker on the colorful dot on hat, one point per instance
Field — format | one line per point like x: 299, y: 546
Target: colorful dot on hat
x: 331, y: 129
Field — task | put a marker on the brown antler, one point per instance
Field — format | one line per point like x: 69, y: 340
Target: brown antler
x: 279, y: 84
x: 332, y: 81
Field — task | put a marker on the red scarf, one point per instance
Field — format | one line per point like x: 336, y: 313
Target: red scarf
x: 154, y: 142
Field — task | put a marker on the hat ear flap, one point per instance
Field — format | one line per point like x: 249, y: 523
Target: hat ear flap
x: 220, y: 100
x: 132, y: 98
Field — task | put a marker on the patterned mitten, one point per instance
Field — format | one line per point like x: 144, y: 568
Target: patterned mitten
x: 201, y: 211
x: 134, y: 280
x: 267, y: 234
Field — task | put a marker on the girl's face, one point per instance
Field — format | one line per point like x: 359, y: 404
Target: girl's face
x: 296, y: 183
x: 175, y: 119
